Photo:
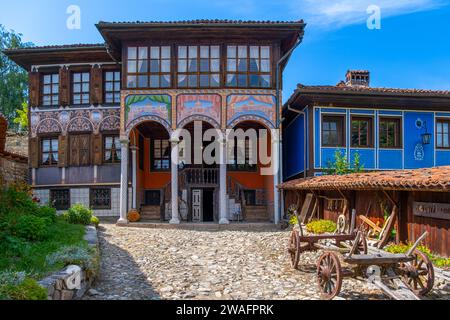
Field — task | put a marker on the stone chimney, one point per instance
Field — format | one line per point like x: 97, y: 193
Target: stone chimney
x: 3, y: 128
x: 357, y: 78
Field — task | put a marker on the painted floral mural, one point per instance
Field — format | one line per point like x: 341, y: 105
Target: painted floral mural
x: 137, y: 106
x: 257, y: 106
x: 189, y: 105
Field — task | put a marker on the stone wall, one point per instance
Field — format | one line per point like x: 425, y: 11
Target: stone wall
x: 12, y: 170
x: 72, y: 282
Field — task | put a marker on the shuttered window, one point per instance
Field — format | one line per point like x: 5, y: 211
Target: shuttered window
x: 49, y: 151
x: 112, y: 151
x: 50, y: 89
x: 79, y: 150
x: 112, y: 87
x: 80, y: 88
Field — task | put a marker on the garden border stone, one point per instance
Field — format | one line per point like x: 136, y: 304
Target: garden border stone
x: 72, y: 282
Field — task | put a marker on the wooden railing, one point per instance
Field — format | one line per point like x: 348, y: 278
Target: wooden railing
x: 199, y: 176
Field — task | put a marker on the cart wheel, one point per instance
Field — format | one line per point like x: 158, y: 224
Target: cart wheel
x: 418, y: 274
x: 362, y: 245
x: 294, y: 249
x: 329, y: 275
x: 341, y: 224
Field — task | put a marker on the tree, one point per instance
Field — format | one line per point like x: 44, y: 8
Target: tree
x: 22, y: 118
x: 13, y: 79
x: 341, y: 165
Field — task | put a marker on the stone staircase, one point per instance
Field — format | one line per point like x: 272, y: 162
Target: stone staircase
x: 151, y: 212
x: 256, y: 214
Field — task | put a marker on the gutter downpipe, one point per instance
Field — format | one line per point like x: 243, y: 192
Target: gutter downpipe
x: 280, y: 204
x: 304, y: 135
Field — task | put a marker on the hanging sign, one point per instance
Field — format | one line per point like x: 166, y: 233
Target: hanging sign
x: 432, y: 210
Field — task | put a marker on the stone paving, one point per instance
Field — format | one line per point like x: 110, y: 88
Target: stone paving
x: 153, y: 263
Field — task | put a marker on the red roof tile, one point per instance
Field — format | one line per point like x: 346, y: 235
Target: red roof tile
x: 358, y: 89
x: 204, y: 21
x: 426, y: 179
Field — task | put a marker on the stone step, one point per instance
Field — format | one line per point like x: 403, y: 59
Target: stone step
x: 151, y: 212
x: 256, y: 213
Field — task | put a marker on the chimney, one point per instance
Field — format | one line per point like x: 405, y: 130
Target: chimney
x: 3, y: 128
x: 357, y: 78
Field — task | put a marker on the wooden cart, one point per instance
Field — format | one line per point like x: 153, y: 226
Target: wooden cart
x: 340, y: 242
x: 400, y: 276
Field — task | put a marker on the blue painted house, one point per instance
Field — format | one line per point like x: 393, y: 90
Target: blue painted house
x: 389, y: 128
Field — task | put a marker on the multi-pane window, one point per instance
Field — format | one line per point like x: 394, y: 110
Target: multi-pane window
x: 80, y: 88
x: 148, y: 67
x: 333, y: 134
x: 242, y: 157
x: 49, y: 151
x: 60, y: 199
x: 111, y: 150
x: 443, y: 133
x: 361, y: 132
x: 100, y: 198
x: 248, y: 66
x: 160, y: 156
x: 390, y: 133
x: 50, y: 90
x: 112, y: 86
x: 198, y: 66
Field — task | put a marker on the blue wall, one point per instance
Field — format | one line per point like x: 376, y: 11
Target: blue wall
x: 413, y: 153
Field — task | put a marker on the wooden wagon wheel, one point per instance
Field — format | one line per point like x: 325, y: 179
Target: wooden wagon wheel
x: 341, y: 224
x: 329, y: 275
x: 294, y: 249
x: 418, y: 274
x: 362, y: 245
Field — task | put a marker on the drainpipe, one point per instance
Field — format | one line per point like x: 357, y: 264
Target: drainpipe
x: 304, y: 135
x: 278, y: 85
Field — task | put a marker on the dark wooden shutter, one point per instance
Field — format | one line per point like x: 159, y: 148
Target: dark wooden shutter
x: 97, y: 149
x: 74, y: 157
x: 96, y: 86
x: 34, y: 152
x: 84, y: 149
x: 62, y: 151
x: 34, y: 91
x: 64, y: 86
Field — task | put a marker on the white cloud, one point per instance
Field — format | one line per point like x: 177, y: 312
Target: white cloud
x: 340, y: 13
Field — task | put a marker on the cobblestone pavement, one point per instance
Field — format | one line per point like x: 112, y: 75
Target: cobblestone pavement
x: 139, y: 263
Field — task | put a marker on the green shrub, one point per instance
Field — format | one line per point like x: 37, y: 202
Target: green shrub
x: 78, y: 214
x: 17, y: 286
x: 95, y: 221
x: 321, y: 226
x: 293, y: 220
x: 403, y: 248
x: 32, y: 228
x: 81, y: 256
x: 46, y: 212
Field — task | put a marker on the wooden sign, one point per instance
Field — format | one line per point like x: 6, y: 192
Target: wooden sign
x: 432, y: 210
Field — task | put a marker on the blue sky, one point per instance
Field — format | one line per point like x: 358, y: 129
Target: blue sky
x: 411, y: 50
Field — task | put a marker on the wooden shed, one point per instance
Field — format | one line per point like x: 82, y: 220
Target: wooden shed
x: 417, y: 200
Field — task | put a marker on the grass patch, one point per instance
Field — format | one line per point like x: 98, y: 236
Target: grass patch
x: 20, y: 255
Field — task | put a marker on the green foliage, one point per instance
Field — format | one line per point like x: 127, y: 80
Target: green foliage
x: 13, y: 79
x: 293, y: 220
x: 403, y: 248
x: 321, y: 226
x: 31, y: 228
x: 78, y: 214
x: 341, y: 165
x: 82, y: 256
x: 27, y: 289
x: 22, y: 117
x: 95, y: 221
x: 46, y: 212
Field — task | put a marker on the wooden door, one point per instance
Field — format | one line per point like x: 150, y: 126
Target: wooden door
x: 196, y: 205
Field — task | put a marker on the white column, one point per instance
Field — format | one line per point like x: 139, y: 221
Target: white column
x: 123, y: 181
x: 223, y: 180
x: 275, y: 158
x: 174, y: 180
x: 134, y: 175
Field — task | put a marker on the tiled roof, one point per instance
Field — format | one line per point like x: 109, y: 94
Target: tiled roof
x: 65, y: 46
x: 359, y: 89
x: 427, y: 179
x: 205, y: 21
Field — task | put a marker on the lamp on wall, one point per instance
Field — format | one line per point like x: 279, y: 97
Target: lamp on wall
x: 426, y: 137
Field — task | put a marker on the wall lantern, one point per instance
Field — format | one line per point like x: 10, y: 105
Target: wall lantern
x: 426, y: 137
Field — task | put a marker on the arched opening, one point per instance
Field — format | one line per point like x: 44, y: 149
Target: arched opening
x: 249, y: 186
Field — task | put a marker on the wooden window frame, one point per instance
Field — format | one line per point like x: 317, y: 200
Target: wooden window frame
x: 82, y: 92
x: 113, y: 147
x: 114, y: 81
x: 92, y: 196
x: 52, y: 199
x: 399, y: 137
x: 153, y: 158
x: 342, y: 134
x: 369, y: 131
x: 54, y: 101
x: 198, y: 73
x: 248, y: 73
x: 148, y: 73
x: 442, y: 120
x: 41, y: 150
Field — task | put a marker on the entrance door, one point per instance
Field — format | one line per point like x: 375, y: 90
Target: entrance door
x: 208, y: 205
x: 196, y: 205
